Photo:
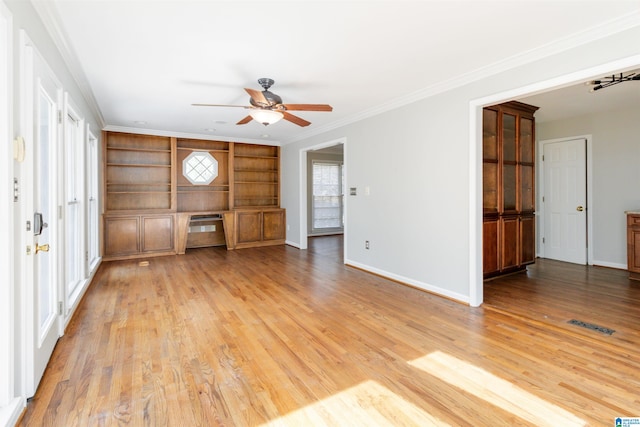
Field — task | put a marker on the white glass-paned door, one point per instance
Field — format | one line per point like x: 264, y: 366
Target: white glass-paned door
x: 44, y: 188
x: 92, y: 197
x: 74, y: 259
x: 327, y: 210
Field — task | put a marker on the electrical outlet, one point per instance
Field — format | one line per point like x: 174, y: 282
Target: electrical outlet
x: 366, y: 244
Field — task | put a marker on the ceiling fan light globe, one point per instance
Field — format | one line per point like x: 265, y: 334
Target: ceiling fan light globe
x: 266, y: 117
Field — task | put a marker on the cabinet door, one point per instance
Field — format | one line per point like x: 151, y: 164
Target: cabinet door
x: 509, y: 234
x: 490, y: 254
x: 273, y: 227
x: 633, y: 243
x: 121, y: 235
x: 527, y: 193
x: 527, y: 240
x: 248, y: 226
x: 157, y: 233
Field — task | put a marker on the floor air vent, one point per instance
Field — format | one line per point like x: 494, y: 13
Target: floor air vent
x: 591, y: 326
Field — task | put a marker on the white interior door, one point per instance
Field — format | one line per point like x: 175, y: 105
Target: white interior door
x: 565, y: 201
x: 43, y: 95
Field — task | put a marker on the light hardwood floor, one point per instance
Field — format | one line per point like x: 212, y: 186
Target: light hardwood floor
x: 279, y: 336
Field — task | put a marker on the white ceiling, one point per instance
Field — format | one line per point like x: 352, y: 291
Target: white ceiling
x: 148, y: 61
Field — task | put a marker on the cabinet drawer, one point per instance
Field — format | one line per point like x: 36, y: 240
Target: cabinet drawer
x: 633, y: 221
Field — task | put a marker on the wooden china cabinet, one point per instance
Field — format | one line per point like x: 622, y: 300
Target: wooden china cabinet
x: 508, y: 146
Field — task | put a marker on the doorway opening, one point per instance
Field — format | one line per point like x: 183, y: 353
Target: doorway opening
x: 476, y: 284
x: 323, y: 207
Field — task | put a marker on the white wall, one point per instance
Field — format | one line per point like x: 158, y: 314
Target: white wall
x: 417, y: 161
x: 615, y: 176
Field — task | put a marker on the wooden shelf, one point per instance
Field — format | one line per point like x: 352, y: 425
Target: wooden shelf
x: 210, y: 150
x: 143, y: 150
x: 244, y: 156
x: 138, y: 165
x: 257, y: 182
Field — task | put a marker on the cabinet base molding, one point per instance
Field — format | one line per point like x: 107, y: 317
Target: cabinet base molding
x: 511, y: 272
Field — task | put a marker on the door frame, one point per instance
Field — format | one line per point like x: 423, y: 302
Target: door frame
x: 540, y: 173
x: 303, y: 181
x: 476, y: 282
x: 11, y: 403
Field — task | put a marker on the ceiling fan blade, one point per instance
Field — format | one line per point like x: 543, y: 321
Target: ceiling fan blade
x: 220, y: 105
x: 308, y: 107
x: 245, y: 120
x: 258, y: 97
x: 295, y: 119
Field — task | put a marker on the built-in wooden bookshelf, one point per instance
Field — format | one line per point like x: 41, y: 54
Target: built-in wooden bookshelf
x: 256, y: 176
x: 151, y: 206
x: 138, y: 172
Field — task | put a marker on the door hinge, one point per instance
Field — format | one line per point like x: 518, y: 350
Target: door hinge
x: 543, y: 240
x: 543, y: 157
x: 542, y: 199
x: 86, y: 256
x: 16, y: 190
x: 59, y: 117
x: 60, y: 308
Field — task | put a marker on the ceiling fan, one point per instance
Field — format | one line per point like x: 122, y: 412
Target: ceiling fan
x: 613, y: 80
x: 267, y: 107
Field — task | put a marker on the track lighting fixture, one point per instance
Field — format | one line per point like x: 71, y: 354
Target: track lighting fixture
x: 613, y: 80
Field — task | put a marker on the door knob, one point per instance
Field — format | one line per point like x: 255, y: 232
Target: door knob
x: 42, y: 248
x: 579, y: 208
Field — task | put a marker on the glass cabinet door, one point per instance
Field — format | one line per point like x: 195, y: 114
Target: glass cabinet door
x: 489, y: 135
x: 526, y: 141
x: 527, y: 196
x: 508, y: 138
x: 509, y: 187
x: 490, y: 171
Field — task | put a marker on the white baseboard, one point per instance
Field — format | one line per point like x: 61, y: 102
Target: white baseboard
x: 411, y: 282
x: 609, y: 264
x: 290, y: 243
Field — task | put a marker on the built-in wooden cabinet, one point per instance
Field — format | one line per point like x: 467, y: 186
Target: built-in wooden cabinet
x: 508, y: 167
x: 633, y: 244
x: 257, y: 227
x: 152, y: 208
x: 134, y: 235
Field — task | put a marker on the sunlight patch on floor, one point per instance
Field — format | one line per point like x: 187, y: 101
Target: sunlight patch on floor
x: 495, y: 390
x: 367, y: 404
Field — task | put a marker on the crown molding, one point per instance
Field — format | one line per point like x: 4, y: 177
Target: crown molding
x: 53, y: 24
x: 186, y: 135
x: 597, y: 32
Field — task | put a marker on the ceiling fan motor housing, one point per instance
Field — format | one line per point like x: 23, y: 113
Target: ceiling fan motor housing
x: 271, y: 98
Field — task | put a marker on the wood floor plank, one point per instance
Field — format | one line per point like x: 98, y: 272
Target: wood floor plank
x: 279, y: 336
